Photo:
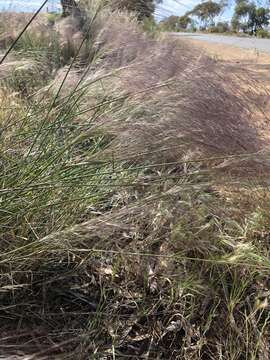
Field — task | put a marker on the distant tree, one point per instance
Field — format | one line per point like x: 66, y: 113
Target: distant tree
x: 235, y: 23
x: 241, y: 14
x: 223, y: 26
x: 207, y: 11
x: 248, y: 18
x: 171, y: 23
x: 175, y: 23
x: 258, y: 18
x: 220, y: 27
x: 184, y: 21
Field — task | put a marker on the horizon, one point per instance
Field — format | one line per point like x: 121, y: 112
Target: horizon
x: 166, y: 9
x: 163, y: 10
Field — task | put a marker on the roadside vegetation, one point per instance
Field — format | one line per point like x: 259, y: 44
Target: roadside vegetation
x: 134, y: 195
x: 248, y: 19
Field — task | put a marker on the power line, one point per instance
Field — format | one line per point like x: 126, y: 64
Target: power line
x: 163, y: 10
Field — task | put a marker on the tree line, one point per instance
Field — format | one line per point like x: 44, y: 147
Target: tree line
x: 248, y: 17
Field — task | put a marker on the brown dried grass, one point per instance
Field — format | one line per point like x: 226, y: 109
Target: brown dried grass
x: 12, y: 23
x: 153, y: 273
x: 186, y: 101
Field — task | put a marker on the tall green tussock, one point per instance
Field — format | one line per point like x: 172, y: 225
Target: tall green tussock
x: 134, y: 207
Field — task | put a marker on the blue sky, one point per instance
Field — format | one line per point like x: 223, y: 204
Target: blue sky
x: 169, y: 7
x: 26, y: 5
x: 179, y: 7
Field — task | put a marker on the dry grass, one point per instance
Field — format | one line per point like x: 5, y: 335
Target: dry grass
x: 12, y: 23
x: 252, y: 69
x: 219, y: 119
x: 119, y: 237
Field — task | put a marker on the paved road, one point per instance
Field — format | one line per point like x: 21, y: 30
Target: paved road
x: 242, y: 42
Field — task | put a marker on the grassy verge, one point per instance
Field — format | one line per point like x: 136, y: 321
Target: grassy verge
x: 133, y: 201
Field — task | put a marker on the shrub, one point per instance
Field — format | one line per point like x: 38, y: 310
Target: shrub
x: 264, y: 34
x: 220, y: 27
x: 150, y: 26
x: 52, y: 18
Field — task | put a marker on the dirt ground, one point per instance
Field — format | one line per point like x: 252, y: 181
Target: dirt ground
x: 247, y: 59
x: 232, y: 53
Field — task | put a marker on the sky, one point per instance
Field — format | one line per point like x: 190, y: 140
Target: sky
x: 27, y: 5
x: 180, y: 7
x: 167, y: 8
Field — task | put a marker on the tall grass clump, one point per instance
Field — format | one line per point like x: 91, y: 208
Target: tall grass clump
x: 133, y: 200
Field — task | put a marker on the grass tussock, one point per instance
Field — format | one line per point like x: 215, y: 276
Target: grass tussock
x: 134, y: 205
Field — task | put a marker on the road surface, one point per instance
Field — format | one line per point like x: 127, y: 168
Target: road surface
x: 241, y: 42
